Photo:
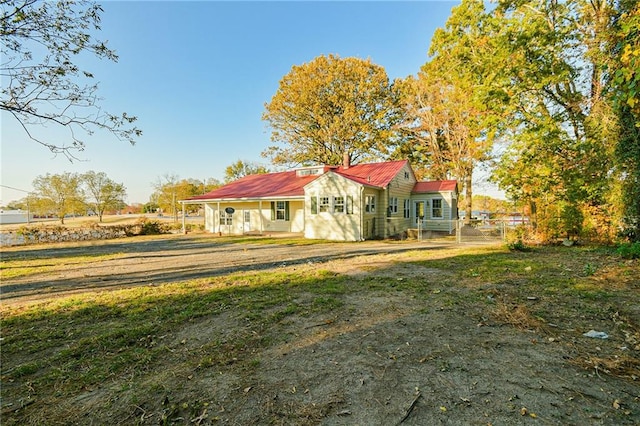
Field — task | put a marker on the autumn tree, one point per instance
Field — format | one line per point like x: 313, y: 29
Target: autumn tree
x: 58, y: 193
x: 243, y: 168
x: 43, y: 43
x: 445, y: 120
x: 102, y: 192
x: 331, y: 106
x: 549, y: 81
x: 625, y: 95
x: 170, y: 189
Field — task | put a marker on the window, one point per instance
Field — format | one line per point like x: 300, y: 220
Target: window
x: 407, y: 209
x: 225, y: 218
x: 338, y: 204
x: 349, y: 204
x: 393, y: 205
x: 370, y: 204
x: 406, y: 175
x: 436, y: 208
x: 323, y: 204
x: 279, y: 210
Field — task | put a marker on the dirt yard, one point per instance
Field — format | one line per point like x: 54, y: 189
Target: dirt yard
x: 385, y: 355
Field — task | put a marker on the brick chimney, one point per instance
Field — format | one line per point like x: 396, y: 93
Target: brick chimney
x: 346, y: 161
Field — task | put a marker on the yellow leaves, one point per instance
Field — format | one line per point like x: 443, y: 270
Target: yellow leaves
x: 628, y: 54
x: 525, y: 412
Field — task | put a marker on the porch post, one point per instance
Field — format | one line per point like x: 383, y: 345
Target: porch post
x: 184, y: 226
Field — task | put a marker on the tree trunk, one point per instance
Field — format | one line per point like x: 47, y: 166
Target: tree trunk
x: 468, y: 195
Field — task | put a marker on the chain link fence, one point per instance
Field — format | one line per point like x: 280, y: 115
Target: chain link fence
x: 475, y: 231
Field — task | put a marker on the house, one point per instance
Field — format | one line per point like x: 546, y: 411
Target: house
x: 342, y: 203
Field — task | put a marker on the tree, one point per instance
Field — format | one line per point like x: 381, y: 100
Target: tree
x: 42, y: 83
x: 103, y: 192
x: 332, y: 106
x: 445, y: 118
x: 60, y: 194
x: 550, y: 82
x: 625, y: 71
x: 241, y: 168
x: 170, y: 189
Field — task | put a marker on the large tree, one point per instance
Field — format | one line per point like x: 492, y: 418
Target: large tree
x: 42, y: 83
x: 60, y: 194
x: 625, y: 94
x: 102, y: 192
x: 550, y: 83
x: 446, y: 120
x: 331, y: 106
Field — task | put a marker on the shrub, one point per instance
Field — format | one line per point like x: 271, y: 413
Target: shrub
x: 518, y: 245
x: 151, y: 227
x: 629, y: 250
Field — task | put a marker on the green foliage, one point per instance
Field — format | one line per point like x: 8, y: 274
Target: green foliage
x: 60, y: 194
x: 331, y: 106
x: 242, y: 168
x: 103, y: 193
x: 152, y: 227
x: 170, y: 190
x: 447, y: 127
x: 518, y: 245
x: 629, y: 250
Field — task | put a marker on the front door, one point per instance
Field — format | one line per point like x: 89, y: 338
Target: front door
x: 418, y: 213
x: 247, y: 221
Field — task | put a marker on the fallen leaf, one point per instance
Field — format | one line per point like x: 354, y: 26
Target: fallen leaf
x: 616, y: 404
x: 523, y: 411
x: 247, y: 389
x: 443, y: 408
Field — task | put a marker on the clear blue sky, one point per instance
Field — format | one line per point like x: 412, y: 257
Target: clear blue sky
x: 197, y: 75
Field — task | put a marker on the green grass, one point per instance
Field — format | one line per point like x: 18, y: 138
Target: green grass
x: 66, y: 346
x: 18, y: 268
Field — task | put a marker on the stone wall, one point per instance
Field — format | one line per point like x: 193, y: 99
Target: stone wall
x: 61, y: 234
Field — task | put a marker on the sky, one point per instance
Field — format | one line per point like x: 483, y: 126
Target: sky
x: 198, y: 74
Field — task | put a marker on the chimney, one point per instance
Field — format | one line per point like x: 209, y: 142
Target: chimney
x: 346, y: 161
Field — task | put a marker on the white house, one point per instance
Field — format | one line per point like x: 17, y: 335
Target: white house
x: 343, y: 203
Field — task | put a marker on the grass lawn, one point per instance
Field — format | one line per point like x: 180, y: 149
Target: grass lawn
x: 221, y: 349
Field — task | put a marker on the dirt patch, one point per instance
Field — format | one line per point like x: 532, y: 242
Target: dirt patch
x: 438, y: 352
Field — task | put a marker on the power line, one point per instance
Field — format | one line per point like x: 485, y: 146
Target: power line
x: 15, y: 189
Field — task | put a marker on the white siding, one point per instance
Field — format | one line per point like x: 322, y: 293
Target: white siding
x: 259, y: 217
x: 331, y: 225
x: 400, y: 187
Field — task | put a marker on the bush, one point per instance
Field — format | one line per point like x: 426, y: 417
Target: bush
x: 629, y: 250
x: 151, y: 227
x: 518, y: 245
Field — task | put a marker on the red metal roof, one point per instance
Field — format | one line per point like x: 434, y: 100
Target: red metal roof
x: 289, y: 184
x: 434, y: 186
x: 373, y: 174
x: 280, y: 184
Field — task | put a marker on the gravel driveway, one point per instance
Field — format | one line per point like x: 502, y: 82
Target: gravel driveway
x: 165, y: 259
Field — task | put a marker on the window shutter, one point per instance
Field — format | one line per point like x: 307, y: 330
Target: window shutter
x: 273, y: 210
x: 286, y: 210
x: 349, y: 206
x: 314, y: 205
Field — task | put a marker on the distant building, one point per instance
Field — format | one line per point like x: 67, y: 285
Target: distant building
x: 14, y: 216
